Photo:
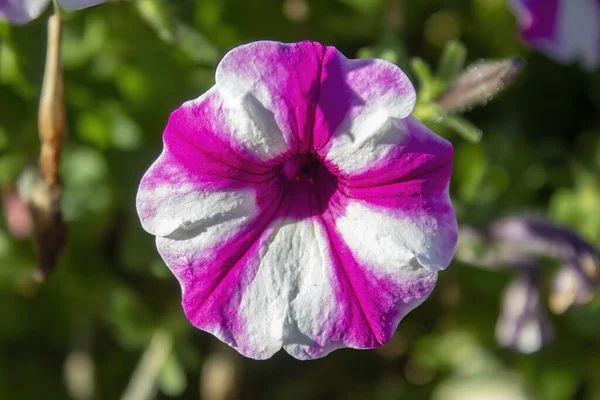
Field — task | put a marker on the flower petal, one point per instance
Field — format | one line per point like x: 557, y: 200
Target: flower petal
x: 579, y: 29
x: 270, y: 91
x: 199, y: 136
x: 317, y: 296
x: 22, y: 11
x: 407, y: 193
x: 359, y: 105
x: 200, y: 180
x: 374, y: 297
x: 538, y: 19
x: 294, y: 282
x: 173, y: 202
x: 320, y: 295
x: 395, y: 243
x: 214, y: 273
x: 563, y: 29
x: 209, y: 202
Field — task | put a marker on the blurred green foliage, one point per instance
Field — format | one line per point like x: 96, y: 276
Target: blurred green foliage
x: 83, y: 333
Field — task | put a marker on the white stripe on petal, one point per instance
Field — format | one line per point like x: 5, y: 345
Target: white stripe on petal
x: 373, y: 126
x: 170, y: 203
x: 291, y: 297
x: 255, y: 114
x: 365, y: 145
x: 398, y: 245
x: 253, y: 125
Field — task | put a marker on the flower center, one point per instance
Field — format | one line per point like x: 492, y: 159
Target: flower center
x: 308, y: 184
x: 303, y: 169
x: 306, y: 169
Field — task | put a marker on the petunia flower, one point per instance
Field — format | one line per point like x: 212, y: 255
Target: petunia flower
x: 23, y: 11
x: 565, y: 30
x: 299, y: 204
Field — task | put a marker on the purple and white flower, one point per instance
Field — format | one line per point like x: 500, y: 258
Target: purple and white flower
x: 23, y: 11
x: 299, y: 204
x: 566, y: 30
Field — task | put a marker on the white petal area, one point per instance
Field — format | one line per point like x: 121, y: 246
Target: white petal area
x: 372, y: 127
x: 253, y: 126
x: 291, y: 298
x: 253, y: 114
x: 79, y: 4
x: 579, y: 30
x: 353, y: 152
x: 22, y: 11
x: 396, y: 244
x: 172, y: 203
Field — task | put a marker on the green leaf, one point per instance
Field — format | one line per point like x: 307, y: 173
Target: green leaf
x: 423, y: 74
x: 463, y: 127
x: 452, y: 62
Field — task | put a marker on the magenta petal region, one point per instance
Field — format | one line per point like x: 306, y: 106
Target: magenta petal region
x: 299, y: 204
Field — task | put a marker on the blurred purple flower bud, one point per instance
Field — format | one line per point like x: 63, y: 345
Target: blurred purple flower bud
x: 519, y: 243
x: 515, y: 241
x: 523, y: 324
x: 575, y: 283
x: 536, y: 236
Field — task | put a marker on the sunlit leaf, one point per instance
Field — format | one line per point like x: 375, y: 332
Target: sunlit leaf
x: 452, y: 62
x: 463, y: 127
x: 423, y: 74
